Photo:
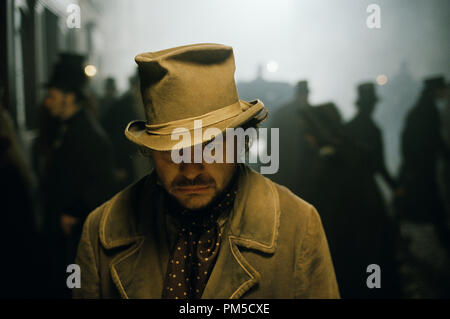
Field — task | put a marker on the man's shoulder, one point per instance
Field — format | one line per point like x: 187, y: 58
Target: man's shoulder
x: 290, y: 204
x: 118, y: 208
x: 298, y: 219
x: 293, y: 206
x: 95, y: 217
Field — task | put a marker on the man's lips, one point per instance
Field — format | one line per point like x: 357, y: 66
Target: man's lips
x: 193, y: 189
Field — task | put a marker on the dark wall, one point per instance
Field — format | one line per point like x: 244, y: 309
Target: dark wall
x: 4, y: 52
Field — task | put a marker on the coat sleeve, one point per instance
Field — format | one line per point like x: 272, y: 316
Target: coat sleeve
x: 315, y: 274
x: 88, y: 263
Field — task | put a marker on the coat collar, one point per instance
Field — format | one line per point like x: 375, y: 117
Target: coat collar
x: 120, y: 222
x: 132, y: 219
x: 255, y: 218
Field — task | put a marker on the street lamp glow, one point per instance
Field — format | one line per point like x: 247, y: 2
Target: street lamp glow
x: 272, y: 66
x: 90, y: 70
x: 382, y: 79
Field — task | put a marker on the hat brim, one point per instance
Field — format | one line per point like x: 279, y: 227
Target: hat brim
x: 136, y: 131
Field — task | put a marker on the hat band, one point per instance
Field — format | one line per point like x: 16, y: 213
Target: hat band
x: 208, y: 119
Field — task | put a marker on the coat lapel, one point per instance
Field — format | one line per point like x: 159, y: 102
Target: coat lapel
x: 253, y: 225
x: 134, y: 226
x: 137, y: 272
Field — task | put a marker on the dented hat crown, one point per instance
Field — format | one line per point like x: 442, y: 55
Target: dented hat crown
x: 184, y: 84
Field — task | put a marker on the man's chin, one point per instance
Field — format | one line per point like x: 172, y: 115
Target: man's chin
x: 194, y: 201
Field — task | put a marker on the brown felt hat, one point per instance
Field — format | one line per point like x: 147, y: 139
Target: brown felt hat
x: 184, y: 84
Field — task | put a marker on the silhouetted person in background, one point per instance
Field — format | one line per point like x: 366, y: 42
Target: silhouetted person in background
x: 368, y: 136
x: 114, y: 121
x: 364, y: 130
x: 422, y: 145
x: 419, y: 202
x: 353, y: 214
x: 445, y: 160
x: 79, y: 169
x: 18, y: 235
x: 297, y: 157
x: 109, y: 97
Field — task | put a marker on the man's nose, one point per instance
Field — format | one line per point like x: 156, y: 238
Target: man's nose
x: 191, y: 170
x: 193, y: 154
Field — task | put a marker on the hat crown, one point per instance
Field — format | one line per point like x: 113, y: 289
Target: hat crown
x: 366, y: 91
x: 68, y: 73
x: 434, y: 82
x: 302, y: 86
x: 187, y: 81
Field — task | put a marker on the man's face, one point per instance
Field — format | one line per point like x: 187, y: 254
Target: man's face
x: 55, y: 101
x: 194, y: 185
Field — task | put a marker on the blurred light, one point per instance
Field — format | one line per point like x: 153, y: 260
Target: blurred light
x: 382, y: 79
x: 272, y: 66
x: 90, y: 70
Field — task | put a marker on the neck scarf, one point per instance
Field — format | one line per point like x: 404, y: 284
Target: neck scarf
x: 196, y: 247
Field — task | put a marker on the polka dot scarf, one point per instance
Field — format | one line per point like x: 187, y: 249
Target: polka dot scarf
x: 196, y: 247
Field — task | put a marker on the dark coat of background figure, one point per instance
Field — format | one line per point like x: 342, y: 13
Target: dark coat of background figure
x: 114, y: 120
x: 422, y: 146
x: 19, y: 234
x: 352, y: 209
x: 109, y: 97
x: 362, y: 128
x: 78, y: 179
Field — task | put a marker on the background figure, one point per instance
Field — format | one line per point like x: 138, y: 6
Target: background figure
x: 114, y: 121
x: 78, y: 175
x: 419, y: 204
x: 109, y: 97
x: 444, y: 173
x: 18, y: 236
x: 351, y: 206
x: 364, y: 131
x: 298, y: 159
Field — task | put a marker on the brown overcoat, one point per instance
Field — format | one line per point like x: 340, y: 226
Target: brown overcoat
x: 274, y: 246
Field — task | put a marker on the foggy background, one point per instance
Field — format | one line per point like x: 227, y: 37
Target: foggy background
x: 326, y: 42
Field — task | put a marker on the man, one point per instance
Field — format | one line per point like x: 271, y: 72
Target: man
x: 420, y: 204
x: 363, y: 129
x: 201, y: 230
x: 109, y: 96
x: 122, y: 111
x: 78, y: 173
x: 378, y: 231
x: 422, y: 145
x: 344, y: 191
x: 17, y: 212
x: 298, y: 160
